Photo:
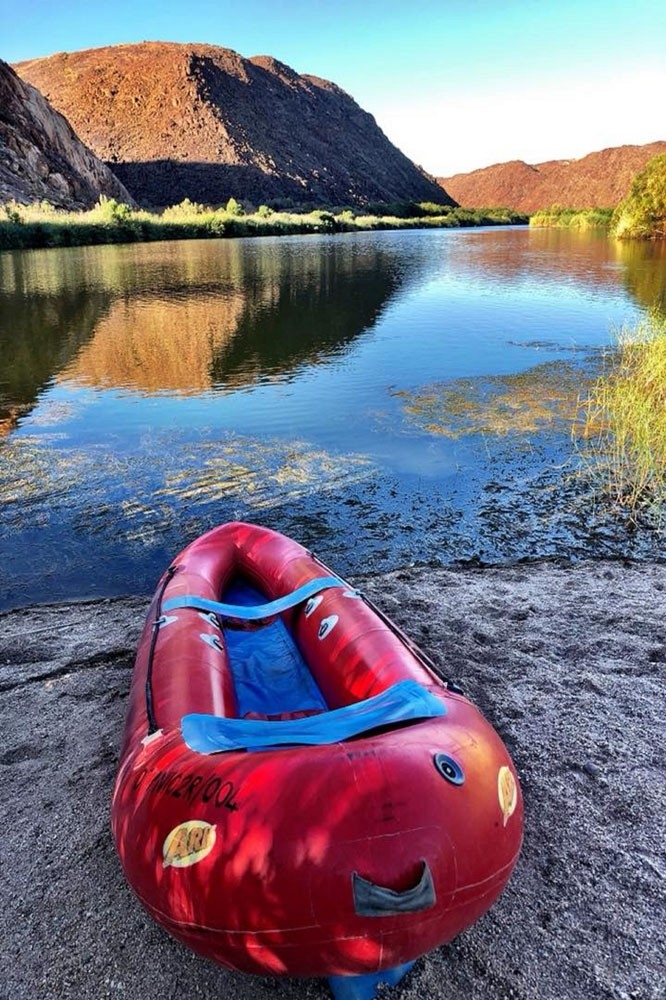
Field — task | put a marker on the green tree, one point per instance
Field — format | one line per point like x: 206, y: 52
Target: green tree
x: 642, y: 214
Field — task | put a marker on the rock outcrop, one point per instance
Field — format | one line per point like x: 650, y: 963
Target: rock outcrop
x: 599, y: 180
x: 200, y: 121
x: 41, y: 158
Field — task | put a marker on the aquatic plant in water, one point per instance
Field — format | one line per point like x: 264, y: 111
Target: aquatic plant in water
x: 41, y: 478
x: 542, y: 398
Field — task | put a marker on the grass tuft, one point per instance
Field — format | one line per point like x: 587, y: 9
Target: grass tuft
x: 623, y: 420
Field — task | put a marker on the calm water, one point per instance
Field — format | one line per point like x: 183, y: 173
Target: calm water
x: 386, y: 398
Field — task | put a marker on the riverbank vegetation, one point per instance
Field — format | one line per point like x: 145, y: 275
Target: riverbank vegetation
x: 624, y: 420
x: 642, y: 214
x: 557, y: 217
x: 41, y: 225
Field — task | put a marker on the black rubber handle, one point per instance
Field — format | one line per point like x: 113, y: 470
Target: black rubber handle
x: 372, y: 900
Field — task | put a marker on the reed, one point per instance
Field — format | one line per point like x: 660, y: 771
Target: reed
x: 41, y: 225
x: 623, y: 420
x: 582, y: 219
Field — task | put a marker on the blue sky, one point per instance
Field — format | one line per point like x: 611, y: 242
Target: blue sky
x: 455, y: 84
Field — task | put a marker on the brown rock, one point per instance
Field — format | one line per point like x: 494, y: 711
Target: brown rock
x: 202, y: 122
x: 599, y: 180
x: 41, y: 158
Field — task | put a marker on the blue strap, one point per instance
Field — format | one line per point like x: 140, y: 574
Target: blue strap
x: 406, y: 701
x: 257, y: 611
x: 365, y: 986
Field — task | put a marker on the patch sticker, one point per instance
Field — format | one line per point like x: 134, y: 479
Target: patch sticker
x: 188, y: 843
x: 507, y: 792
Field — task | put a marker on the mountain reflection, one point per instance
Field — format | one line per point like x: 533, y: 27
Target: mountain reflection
x: 44, y: 320
x: 283, y: 308
x: 194, y: 316
x: 588, y: 262
x: 412, y: 392
x: 157, y: 345
x: 309, y: 309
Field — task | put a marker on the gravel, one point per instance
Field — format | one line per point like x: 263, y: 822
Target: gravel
x: 567, y: 662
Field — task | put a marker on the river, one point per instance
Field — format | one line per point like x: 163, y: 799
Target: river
x: 386, y: 398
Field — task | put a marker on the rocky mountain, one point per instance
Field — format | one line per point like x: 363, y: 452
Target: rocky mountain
x: 599, y: 180
x: 40, y: 156
x: 200, y: 121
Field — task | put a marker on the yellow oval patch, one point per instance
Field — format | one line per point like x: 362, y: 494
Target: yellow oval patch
x: 507, y: 792
x: 188, y: 843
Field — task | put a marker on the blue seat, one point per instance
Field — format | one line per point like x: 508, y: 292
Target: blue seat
x: 406, y: 701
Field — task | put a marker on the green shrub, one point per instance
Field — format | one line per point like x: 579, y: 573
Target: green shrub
x: 432, y: 208
x: 109, y: 221
x: 234, y: 207
x: 642, y: 214
x: 184, y: 210
x: 557, y: 217
x: 395, y: 209
x: 13, y: 212
x: 112, y: 211
x: 324, y: 220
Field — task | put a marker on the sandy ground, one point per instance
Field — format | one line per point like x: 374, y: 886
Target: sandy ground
x: 566, y: 661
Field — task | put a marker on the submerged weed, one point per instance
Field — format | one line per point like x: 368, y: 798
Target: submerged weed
x: 542, y: 398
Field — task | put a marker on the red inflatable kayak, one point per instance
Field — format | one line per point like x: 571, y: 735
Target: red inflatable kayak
x: 299, y: 792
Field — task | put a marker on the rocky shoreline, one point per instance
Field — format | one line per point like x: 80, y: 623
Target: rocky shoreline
x: 567, y: 662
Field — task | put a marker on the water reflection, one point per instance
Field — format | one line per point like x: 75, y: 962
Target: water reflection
x: 586, y: 262
x: 307, y: 311
x: 157, y: 345
x: 185, y: 317
x: 554, y: 258
x: 643, y: 268
x: 408, y: 393
x: 40, y: 331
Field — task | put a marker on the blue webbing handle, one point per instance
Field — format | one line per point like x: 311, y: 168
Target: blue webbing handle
x: 405, y: 701
x: 254, y: 612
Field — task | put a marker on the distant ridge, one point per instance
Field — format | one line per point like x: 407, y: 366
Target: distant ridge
x: 202, y: 122
x: 598, y: 180
x: 40, y: 156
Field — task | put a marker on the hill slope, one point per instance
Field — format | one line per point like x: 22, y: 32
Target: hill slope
x: 200, y: 121
x: 599, y: 180
x: 41, y: 157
